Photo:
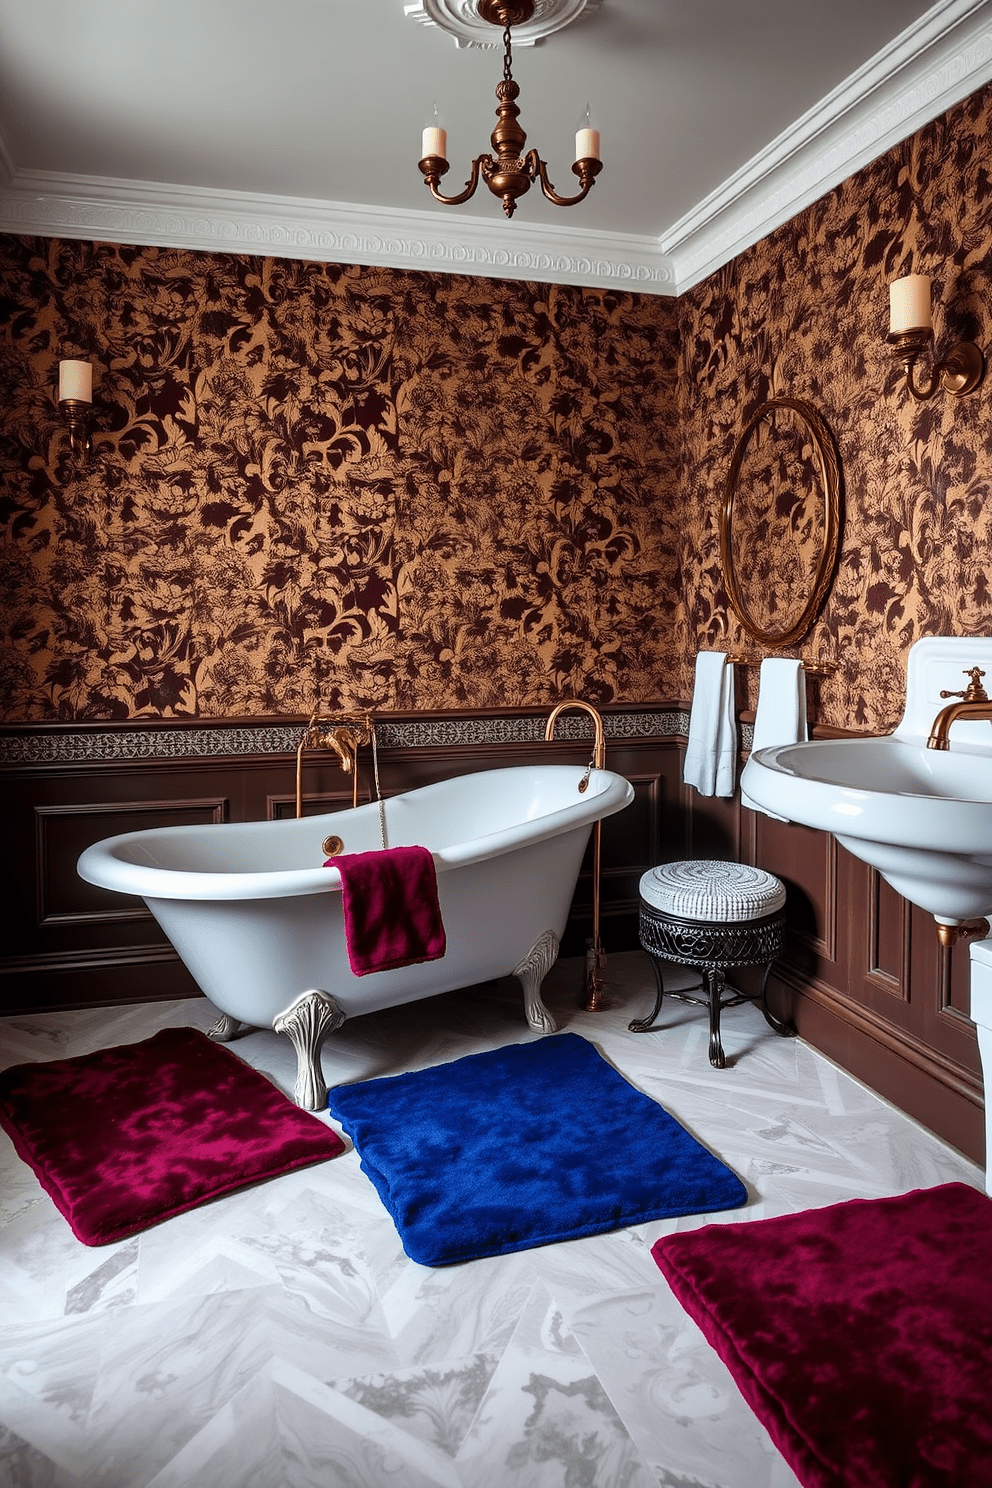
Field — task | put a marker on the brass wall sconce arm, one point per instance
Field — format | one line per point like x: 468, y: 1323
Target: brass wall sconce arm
x: 911, y: 334
x: 959, y: 372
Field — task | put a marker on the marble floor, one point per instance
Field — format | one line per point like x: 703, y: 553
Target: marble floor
x: 280, y: 1336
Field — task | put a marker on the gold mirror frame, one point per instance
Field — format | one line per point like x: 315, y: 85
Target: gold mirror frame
x: 829, y: 471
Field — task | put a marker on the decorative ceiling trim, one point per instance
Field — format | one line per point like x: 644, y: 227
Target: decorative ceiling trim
x: 928, y: 68
x: 461, y: 19
x: 329, y: 232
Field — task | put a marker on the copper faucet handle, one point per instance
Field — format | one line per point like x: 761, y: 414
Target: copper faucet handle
x: 975, y: 692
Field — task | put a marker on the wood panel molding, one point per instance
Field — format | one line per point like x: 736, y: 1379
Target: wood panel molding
x: 924, y: 1057
x: 48, y: 860
x: 874, y: 974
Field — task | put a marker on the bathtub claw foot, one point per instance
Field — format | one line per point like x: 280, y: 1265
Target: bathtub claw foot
x: 308, y: 1021
x: 226, y: 1028
x: 531, y: 973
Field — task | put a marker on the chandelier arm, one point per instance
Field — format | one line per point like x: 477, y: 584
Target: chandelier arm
x: 470, y: 185
x: 539, y: 171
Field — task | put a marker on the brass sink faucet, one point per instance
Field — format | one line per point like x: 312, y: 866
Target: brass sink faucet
x: 975, y: 704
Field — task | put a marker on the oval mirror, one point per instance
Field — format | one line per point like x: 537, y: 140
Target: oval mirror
x: 780, y: 524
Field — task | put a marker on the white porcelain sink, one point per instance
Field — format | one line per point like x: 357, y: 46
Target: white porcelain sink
x: 922, y: 817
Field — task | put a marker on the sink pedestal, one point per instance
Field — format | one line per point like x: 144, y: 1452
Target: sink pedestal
x: 981, y: 1013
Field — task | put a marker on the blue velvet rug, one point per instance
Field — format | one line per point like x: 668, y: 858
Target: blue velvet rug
x: 524, y: 1146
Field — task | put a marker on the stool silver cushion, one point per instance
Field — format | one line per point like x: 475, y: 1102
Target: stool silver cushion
x: 706, y: 891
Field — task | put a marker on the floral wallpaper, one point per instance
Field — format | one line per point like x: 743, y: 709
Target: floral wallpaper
x: 391, y: 490
x: 805, y: 313
x: 410, y: 491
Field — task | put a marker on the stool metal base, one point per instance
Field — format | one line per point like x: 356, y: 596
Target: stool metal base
x: 712, y: 948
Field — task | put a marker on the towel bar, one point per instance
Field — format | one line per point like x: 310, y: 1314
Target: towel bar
x: 814, y: 668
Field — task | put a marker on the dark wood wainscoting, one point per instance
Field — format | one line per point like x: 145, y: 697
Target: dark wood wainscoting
x: 863, y: 976
x: 68, y: 944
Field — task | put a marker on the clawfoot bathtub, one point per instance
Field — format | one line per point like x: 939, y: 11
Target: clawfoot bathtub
x: 257, y: 919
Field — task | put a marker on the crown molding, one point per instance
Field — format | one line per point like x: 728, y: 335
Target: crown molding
x: 329, y: 232
x: 931, y: 66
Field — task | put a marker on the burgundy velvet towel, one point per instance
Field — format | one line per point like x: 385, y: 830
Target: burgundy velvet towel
x: 391, y: 912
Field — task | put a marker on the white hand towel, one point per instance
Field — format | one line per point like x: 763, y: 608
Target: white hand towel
x: 711, y: 753
x: 781, y: 713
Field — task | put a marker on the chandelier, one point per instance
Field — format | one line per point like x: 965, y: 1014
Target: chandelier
x: 510, y: 172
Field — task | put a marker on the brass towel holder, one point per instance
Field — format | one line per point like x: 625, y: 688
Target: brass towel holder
x: 812, y: 668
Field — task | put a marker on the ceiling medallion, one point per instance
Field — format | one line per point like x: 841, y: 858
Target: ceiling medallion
x: 466, y: 20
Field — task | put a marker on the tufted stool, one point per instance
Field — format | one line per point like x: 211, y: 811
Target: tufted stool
x: 712, y: 915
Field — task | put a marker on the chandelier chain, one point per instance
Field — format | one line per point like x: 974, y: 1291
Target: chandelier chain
x: 507, y: 55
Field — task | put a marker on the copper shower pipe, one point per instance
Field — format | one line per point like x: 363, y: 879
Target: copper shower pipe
x: 595, y: 959
x: 348, y: 732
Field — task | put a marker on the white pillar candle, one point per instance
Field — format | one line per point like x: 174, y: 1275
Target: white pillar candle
x: 909, y: 304
x: 76, y: 381
x: 435, y: 142
x: 587, y: 144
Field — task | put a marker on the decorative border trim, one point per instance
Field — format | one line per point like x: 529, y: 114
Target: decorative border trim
x: 931, y: 66
x: 231, y: 741
x: 436, y: 241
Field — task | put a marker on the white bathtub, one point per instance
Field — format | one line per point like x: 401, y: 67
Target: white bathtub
x: 257, y: 920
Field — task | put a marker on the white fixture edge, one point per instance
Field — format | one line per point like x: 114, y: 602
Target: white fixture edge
x: 933, y: 65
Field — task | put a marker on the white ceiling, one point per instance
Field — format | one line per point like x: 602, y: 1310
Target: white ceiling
x: 293, y: 126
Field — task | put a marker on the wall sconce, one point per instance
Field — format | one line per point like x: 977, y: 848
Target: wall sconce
x: 76, y: 404
x: 911, y: 332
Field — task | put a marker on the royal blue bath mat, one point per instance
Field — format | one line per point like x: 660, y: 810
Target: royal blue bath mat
x: 524, y: 1146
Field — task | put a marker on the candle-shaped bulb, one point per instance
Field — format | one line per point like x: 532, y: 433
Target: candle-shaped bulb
x: 435, y: 139
x: 76, y: 381
x: 586, y: 138
x: 909, y: 305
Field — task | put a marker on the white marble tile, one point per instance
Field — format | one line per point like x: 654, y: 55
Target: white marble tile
x: 546, y: 1421
x: 673, y: 1393
x: 331, y: 1440
x: 280, y: 1336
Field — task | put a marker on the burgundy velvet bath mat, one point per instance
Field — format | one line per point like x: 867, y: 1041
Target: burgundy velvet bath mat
x: 126, y: 1137
x: 860, y: 1334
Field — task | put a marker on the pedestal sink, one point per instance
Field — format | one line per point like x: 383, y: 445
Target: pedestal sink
x: 922, y: 817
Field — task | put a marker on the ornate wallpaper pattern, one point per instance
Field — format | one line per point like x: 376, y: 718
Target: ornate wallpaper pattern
x: 805, y: 313
x: 399, y: 490
x: 429, y: 492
